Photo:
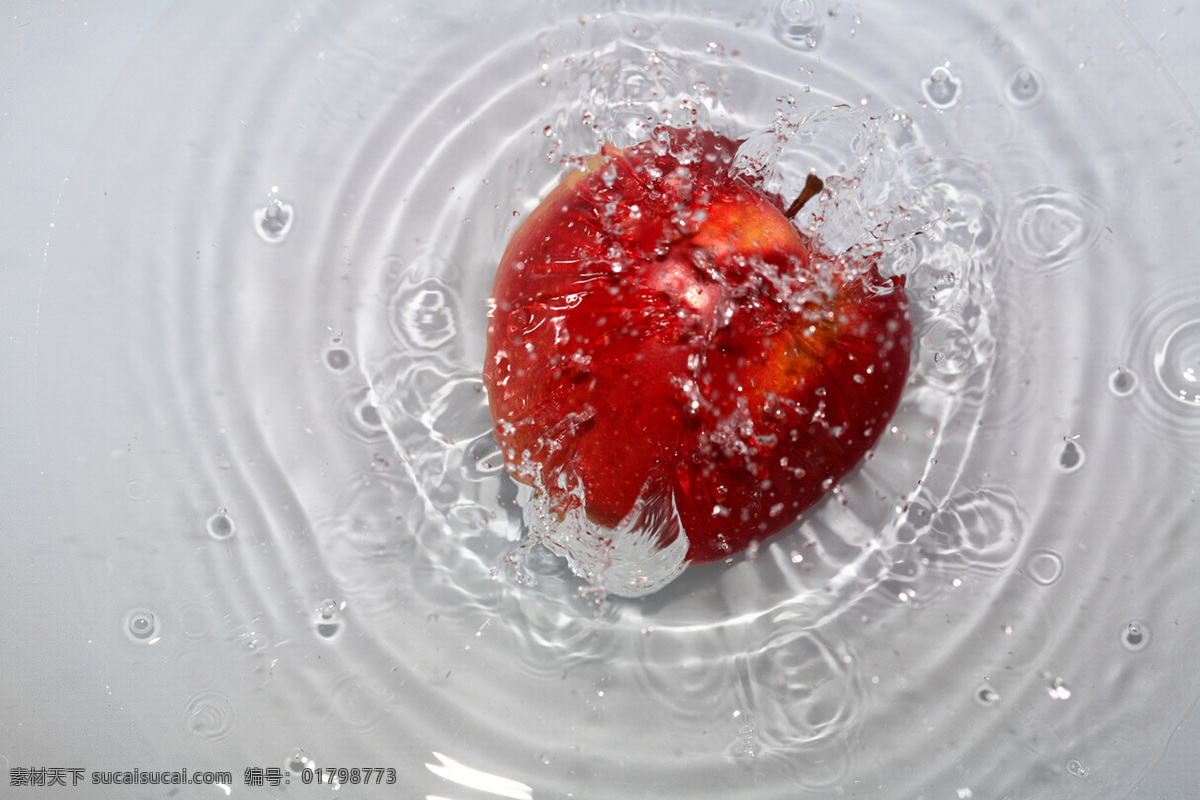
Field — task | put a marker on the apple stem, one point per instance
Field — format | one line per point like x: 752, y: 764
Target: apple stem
x: 812, y: 187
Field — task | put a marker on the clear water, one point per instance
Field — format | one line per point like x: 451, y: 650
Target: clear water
x: 283, y: 535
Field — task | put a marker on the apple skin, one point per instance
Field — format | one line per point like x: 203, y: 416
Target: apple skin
x: 660, y: 329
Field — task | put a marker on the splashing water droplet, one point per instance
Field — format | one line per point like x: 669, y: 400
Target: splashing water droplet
x: 942, y: 89
x: 1070, y: 457
x: 1177, y: 363
x: 798, y: 23
x: 273, y: 221
x: 327, y: 619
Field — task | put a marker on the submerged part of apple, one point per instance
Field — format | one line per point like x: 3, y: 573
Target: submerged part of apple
x: 669, y: 362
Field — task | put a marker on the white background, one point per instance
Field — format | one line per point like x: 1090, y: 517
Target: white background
x: 58, y: 60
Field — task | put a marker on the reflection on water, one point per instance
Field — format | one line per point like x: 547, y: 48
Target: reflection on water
x: 264, y: 313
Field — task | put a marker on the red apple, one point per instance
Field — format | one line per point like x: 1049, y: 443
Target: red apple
x: 661, y: 328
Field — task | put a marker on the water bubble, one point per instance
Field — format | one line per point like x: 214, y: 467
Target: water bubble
x: 1053, y: 227
x: 942, y: 89
x: 1077, y: 769
x: 986, y: 696
x: 209, y: 716
x: 1070, y: 456
x: 798, y: 23
x: 1177, y: 363
x: 273, y: 221
x: 1044, y: 566
x: 135, y: 489
x: 338, y: 359
x: 1122, y: 382
x: 1024, y: 87
x: 327, y: 619
x: 1135, y: 636
x: 220, y: 525
x: 298, y: 760
x: 142, y: 626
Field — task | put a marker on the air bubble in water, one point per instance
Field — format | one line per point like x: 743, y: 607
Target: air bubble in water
x: 1177, y: 364
x: 1135, y: 636
x: 142, y: 626
x: 1077, y: 769
x: 942, y: 89
x: 1024, y: 87
x: 273, y: 221
x: 1044, y: 566
x: 1122, y: 382
x: 220, y: 525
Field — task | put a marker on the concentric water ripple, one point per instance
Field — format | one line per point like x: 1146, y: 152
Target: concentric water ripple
x: 300, y: 511
x: 1158, y: 371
